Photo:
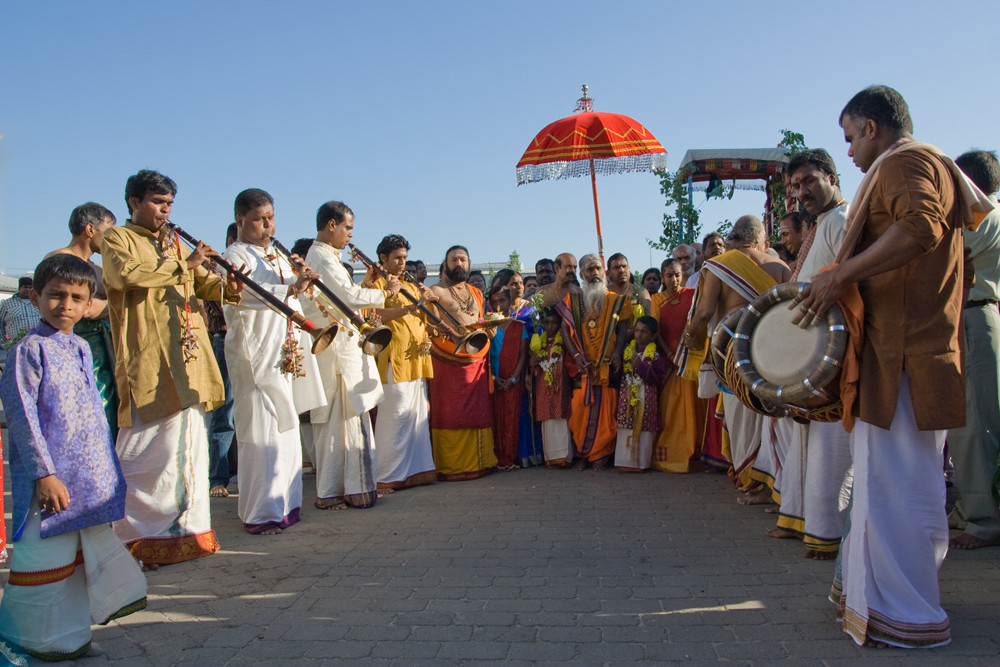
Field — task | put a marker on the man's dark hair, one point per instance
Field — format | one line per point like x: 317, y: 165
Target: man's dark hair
x: 650, y: 323
x: 542, y: 262
x: 148, y: 181
x: 548, y: 311
x: 231, y: 231
x: 24, y: 281
x: 883, y: 105
x: 800, y: 220
x: 457, y: 247
x: 90, y: 213
x: 818, y: 158
x: 652, y: 271
x: 615, y: 256
x: 982, y: 168
x: 332, y: 210
x: 476, y: 272
x: 419, y: 262
x: 301, y: 247
x: 390, y: 243
x: 709, y: 237
x: 68, y: 268
x: 250, y: 199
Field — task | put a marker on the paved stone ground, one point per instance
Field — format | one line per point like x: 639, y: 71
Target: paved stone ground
x: 532, y: 567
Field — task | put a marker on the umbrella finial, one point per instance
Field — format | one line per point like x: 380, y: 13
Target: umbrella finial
x: 585, y: 103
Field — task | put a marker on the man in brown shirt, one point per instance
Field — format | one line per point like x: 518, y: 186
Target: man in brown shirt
x: 903, y: 249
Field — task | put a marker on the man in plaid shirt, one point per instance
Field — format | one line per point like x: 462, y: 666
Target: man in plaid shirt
x: 17, y: 314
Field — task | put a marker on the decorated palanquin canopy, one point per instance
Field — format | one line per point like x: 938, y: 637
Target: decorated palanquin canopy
x: 587, y: 143
x: 734, y: 164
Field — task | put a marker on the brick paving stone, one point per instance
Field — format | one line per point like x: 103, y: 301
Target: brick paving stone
x: 474, y: 573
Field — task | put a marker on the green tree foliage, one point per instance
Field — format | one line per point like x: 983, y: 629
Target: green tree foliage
x: 793, y: 143
x: 681, y: 225
x: 514, y: 261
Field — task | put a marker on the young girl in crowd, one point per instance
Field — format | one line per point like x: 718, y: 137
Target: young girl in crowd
x: 553, y: 391
x: 643, y: 371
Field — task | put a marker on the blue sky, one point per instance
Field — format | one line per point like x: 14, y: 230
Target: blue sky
x: 416, y: 113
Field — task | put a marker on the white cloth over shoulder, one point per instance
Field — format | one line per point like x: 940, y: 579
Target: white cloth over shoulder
x: 254, y: 339
x: 826, y: 244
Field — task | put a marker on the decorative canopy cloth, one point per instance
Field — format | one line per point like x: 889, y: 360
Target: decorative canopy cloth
x: 565, y: 148
x: 588, y: 143
x: 734, y: 164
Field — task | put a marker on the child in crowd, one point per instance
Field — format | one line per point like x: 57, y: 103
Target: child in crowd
x: 643, y: 372
x: 68, y: 569
x: 553, y: 390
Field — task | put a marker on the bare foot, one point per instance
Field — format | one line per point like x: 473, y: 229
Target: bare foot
x: 327, y: 504
x: 772, y: 510
x: 149, y: 567
x: 579, y: 464
x: 820, y: 555
x: 218, y: 491
x: 966, y: 541
x: 385, y: 491
x: 760, y: 496
x: 872, y: 643
x: 270, y: 531
x: 782, y: 534
x: 600, y: 465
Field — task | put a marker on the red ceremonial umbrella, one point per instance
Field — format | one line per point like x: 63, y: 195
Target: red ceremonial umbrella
x: 590, y: 142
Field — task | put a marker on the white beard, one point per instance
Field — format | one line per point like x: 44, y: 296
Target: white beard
x: 593, y: 295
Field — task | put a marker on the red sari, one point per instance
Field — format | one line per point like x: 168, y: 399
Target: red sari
x: 507, y: 404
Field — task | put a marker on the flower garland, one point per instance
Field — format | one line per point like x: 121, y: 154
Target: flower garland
x: 635, y: 383
x: 188, y: 340
x: 548, y: 356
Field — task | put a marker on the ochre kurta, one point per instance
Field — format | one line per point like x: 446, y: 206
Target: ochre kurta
x: 147, y: 288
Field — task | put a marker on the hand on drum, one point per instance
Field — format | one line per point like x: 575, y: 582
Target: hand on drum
x: 815, y: 299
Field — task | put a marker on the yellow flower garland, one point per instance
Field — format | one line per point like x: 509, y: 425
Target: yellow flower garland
x: 548, y: 358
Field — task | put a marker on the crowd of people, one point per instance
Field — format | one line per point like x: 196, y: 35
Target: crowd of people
x: 124, y: 400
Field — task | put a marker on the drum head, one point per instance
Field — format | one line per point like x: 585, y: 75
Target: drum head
x: 781, y: 362
x: 782, y: 352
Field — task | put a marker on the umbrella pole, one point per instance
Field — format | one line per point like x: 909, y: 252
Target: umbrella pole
x: 597, y: 214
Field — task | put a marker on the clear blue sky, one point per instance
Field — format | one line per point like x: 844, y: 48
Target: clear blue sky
x: 416, y: 113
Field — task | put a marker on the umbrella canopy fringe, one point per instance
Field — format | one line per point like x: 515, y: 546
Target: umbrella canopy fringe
x: 532, y: 173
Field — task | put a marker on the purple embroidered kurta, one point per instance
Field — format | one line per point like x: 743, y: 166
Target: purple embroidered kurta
x: 57, y: 426
x: 651, y: 374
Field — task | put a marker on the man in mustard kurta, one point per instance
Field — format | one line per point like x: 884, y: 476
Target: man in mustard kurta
x: 166, y: 375
x: 596, y: 324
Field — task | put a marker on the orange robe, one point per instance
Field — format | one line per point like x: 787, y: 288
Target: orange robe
x: 592, y: 410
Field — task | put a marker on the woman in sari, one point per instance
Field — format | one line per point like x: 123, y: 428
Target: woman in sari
x: 682, y: 413
x: 508, y: 360
x: 529, y: 442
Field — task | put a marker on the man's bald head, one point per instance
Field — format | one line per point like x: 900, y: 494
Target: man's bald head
x: 565, y: 265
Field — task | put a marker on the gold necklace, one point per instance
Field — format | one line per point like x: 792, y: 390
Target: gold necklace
x: 464, y: 306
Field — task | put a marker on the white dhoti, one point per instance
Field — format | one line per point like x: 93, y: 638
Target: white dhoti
x: 165, y: 464
x: 345, y: 453
x: 62, y: 585
x: 898, y: 536
x: 403, y: 431
x: 270, y: 474
x: 789, y: 488
x: 827, y: 487
x: 633, y: 456
x: 744, y: 426
x: 557, y: 442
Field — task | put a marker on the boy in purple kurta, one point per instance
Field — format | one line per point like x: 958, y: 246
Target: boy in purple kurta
x: 69, y: 569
